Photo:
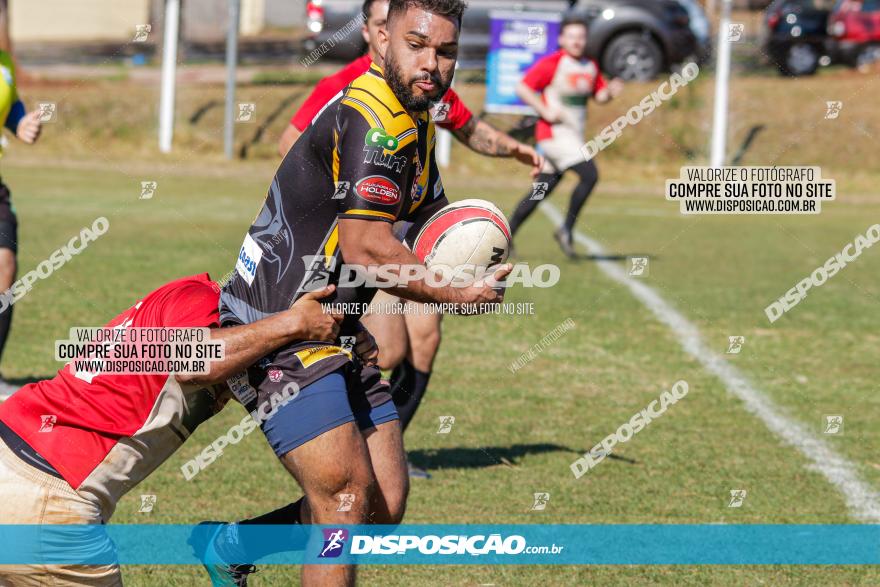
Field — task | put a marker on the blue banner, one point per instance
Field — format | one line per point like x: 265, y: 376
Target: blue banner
x: 516, y: 41
x: 526, y: 544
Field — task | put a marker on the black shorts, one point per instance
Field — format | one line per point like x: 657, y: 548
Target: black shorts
x: 8, y: 221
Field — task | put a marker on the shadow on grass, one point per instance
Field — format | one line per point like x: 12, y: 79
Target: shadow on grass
x: 487, y: 456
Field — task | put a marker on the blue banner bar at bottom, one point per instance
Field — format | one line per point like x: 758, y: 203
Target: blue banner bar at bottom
x: 505, y: 544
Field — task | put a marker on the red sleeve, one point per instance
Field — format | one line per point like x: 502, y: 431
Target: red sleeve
x: 326, y: 89
x: 541, y: 73
x: 192, y: 304
x: 458, y: 114
x: 599, y: 83
x: 322, y: 94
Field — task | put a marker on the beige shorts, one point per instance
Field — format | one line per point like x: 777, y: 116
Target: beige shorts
x: 561, y: 152
x: 29, y: 496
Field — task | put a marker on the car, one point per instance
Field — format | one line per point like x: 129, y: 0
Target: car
x: 854, y: 32
x: 795, y: 35
x: 632, y: 39
x: 701, y: 28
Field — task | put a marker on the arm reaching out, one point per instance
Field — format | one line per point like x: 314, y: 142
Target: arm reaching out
x: 483, y: 138
x: 248, y: 343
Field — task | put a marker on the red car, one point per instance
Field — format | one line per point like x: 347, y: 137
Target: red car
x: 854, y: 32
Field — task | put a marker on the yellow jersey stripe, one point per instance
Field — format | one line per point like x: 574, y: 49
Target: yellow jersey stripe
x: 330, y: 245
x: 372, y: 213
x: 335, y: 156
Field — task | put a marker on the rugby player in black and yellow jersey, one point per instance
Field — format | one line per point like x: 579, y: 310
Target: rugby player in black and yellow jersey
x: 365, y: 163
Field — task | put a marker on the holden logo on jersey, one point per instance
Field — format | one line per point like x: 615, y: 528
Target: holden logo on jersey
x: 379, y: 190
x: 377, y: 137
x: 248, y: 258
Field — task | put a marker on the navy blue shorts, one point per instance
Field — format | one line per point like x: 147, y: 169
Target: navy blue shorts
x: 321, y: 406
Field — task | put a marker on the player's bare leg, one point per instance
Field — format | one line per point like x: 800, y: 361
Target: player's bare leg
x: 388, y: 459
x: 423, y: 329
x: 388, y: 328
x: 335, y: 463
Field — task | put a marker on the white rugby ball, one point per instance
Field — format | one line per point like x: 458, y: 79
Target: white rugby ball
x: 470, y: 233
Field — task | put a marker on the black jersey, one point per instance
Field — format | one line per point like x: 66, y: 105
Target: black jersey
x: 362, y: 157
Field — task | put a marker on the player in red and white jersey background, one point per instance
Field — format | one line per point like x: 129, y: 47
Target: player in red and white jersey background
x: 73, y: 445
x: 408, y: 342
x: 558, y: 86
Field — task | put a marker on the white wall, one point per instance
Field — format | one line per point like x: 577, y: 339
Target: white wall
x: 76, y: 20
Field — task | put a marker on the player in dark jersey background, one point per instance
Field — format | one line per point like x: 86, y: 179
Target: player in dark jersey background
x: 408, y: 342
x: 365, y: 162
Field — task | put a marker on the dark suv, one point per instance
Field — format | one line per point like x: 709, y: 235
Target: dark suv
x: 633, y: 39
x: 795, y: 34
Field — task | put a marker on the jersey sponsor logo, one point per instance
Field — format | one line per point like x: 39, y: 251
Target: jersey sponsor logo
x: 248, y: 258
x: 418, y: 187
x: 312, y: 355
x: 377, y: 137
x: 241, y: 388
x: 580, y: 82
x: 275, y: 375
x: 379, y: 190
x: 377, y: 156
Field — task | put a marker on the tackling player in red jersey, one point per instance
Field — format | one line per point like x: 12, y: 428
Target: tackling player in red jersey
x: 73, y: 445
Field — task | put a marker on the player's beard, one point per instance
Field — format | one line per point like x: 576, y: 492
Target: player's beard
x: 403, y: 89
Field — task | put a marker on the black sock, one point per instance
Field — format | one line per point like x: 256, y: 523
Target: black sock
x: 289, y: 514
x: 5, y: 324
x: 589, y: 175
x: 527, y: 205
x: 408, y: 386
x: 238, y: 544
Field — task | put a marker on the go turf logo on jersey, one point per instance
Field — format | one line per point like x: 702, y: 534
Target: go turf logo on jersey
x: 377, y: 137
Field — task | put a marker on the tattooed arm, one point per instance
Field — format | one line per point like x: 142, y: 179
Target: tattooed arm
x: 483, y: 138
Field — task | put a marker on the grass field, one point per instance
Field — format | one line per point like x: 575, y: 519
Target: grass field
x: 515, y: 435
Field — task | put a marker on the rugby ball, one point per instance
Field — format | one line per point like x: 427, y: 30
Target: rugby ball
x: 464, y: 235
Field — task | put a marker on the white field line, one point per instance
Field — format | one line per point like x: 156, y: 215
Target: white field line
x: 861, y: 499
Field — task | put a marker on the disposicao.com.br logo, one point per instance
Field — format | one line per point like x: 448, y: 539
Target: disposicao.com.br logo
x: 449, y: 544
